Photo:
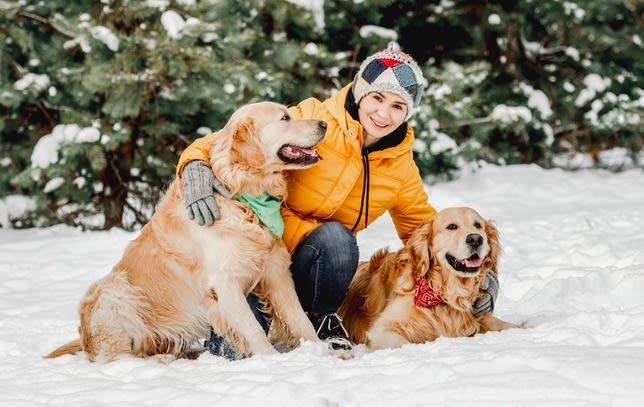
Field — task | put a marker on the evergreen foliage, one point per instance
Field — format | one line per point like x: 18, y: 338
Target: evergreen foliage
x: 118, y: 88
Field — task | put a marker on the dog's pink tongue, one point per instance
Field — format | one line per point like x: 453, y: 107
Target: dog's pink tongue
x: 473, y: 263
x: 310, y: 151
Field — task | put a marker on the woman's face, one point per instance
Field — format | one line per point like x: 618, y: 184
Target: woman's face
x: 380, y: 113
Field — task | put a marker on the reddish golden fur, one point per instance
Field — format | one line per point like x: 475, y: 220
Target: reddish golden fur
x: 379, y: 309
x: 177, y: 279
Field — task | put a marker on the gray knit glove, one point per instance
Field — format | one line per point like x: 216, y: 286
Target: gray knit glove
x: 198, y: 185
x: 486, y: 303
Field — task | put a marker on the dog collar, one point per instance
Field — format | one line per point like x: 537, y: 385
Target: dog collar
x: 425, y: 296
x: 267, y: 209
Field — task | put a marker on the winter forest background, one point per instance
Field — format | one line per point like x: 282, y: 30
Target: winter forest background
x: 98, y: 98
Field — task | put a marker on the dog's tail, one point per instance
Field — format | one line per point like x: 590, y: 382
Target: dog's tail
x: 67, y: 349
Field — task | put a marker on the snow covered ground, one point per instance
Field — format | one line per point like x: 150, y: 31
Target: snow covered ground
x: 572, y: 269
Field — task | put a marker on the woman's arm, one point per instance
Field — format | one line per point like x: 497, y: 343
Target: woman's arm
x: 412, y: 207
x: 198, y: 150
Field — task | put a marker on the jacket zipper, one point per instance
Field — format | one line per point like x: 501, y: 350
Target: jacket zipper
x: 364, y: 198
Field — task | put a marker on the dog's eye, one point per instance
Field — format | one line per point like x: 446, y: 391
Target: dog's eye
x: 286, y: 117
x: 477, y: 225
x: 452, y: 226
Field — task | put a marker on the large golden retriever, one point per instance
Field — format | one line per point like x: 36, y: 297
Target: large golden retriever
x: 177, y: 279
x: 426, y: 289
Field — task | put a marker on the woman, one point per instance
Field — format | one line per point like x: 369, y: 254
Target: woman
x: 368, y: 169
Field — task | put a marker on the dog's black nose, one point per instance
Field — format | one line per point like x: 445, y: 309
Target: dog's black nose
x: 474, y: 240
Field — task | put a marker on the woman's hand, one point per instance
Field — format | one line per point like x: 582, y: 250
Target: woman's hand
x: 486, y: 303
x: 199, y: 183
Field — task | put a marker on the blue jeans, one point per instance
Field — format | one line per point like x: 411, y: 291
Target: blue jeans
x: 322, y: 266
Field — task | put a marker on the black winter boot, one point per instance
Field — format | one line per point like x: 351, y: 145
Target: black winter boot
x: 329, y: 328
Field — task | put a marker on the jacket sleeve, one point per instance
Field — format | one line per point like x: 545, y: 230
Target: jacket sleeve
x: 198, y: 150
x: 412, y: 207
x: 296, y: 228
x: 306, y: 109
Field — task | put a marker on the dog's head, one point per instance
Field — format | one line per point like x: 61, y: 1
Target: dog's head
x: 457, y: 247
x: 462, y: 241
x: 259, y: 142
x: 454, y: 251
x: 266, y: 136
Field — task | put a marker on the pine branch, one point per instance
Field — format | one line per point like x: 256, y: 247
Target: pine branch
x: 20, y: 73
x: 44, y: 21
x: 471, y: 122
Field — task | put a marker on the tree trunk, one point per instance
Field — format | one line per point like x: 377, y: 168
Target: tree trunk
x: 115, y: 185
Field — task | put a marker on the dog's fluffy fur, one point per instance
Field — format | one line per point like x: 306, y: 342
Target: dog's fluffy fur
x: 177, y: 279
x: 453, y: 253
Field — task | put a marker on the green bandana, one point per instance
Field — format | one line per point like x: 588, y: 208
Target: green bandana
x: 267, y: 209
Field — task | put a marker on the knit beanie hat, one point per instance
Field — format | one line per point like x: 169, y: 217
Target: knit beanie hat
x: 390, y: 71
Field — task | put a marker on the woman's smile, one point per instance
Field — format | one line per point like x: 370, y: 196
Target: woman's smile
x: 380, y: 113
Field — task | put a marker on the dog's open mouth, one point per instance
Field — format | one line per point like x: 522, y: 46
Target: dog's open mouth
x: 469, y: 265
x: 298, y: 155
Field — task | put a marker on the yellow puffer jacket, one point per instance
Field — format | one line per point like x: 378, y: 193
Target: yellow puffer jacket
x: 334, y: 189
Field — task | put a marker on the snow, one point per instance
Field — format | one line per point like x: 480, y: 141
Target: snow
x: 573, y: 9
x: 540, y: 102
x: 173, y: 23
x: 594, y: 84
x: 572, y: 270
x: 310, y: 48
x: 46, y: 150
x: 367, y: 30
x: 442, y: 143
x: 510, y: 114
x: 106, y: 36
x: 637, y: 40
x: 316, y: 7
x: 158, y: 4
x: 38, y: 82
x: 494, y: 19
x: 53, y: 184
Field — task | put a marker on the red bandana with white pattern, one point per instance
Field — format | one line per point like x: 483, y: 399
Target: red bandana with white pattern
x: 425, y: 296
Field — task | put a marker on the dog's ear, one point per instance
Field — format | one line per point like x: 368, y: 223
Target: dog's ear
x: 493, y: 240
x: 245, y: 149
x: 419, y: 248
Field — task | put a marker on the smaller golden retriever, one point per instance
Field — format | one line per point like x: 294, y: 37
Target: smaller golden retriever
x: 177, y: 279
x: 426, y: 289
